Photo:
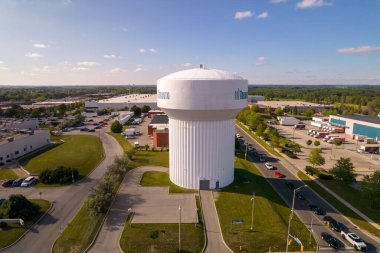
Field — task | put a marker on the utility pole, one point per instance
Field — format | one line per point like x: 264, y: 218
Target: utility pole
x: 179, y: 230
x: 246, y: 150
x: 253, y: 207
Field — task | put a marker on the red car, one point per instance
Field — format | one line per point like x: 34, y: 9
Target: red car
x: 278, y: 174
x: 7, y: 183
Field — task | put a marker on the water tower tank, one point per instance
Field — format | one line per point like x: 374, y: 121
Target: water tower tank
x: 202, y: 105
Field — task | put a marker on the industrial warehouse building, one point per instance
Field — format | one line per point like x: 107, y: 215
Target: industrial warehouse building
x: 294, y: 106
x: 17, y: 144
x: 202, y: 105
x: 123, y: 101
x: 358, y: 124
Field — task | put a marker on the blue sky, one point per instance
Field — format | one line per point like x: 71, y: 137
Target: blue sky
x: 81, y: 42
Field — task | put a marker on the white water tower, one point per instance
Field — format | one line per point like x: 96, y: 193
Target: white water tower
x: 202, y: 105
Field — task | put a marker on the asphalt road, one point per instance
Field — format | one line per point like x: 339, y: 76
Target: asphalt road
x: 67, y: 201
x: 301, y: 207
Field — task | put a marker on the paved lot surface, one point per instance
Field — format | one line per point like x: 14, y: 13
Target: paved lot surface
x: 144, y: 138
x: 67, y: 201
x: 149, y: 204
x: 214, y: 234
x: 364, y: 163
x: 301, y: 207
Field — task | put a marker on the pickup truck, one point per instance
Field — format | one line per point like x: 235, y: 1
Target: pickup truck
x: 355, y: 240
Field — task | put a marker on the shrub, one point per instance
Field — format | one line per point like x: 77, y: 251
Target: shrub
x: 289, y: 153
x: 154, y: 234
x: 116, y: 127
x: 325, y: 176
x: 311, y: 170
x: 3, y: 225
x: 309, y: 142
x: 60, y: 175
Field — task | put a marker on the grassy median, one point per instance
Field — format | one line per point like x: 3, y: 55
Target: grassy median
x: 354, y: 217
x: 7, y: 174
x: 270, y: 214
x: 157, y: 178
x: 14, y: 231
x: 83, y: 152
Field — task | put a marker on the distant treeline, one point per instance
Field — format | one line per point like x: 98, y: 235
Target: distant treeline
x: 26, y: 94
x: 365, y: 95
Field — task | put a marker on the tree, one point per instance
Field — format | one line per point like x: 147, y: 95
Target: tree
x: 370, y: 188
x: 145, y: 108
x: 344, y: 170
x: 255, y: 108
x: 278, y: 111
x: 17, y: 206
x: 136, y: 110
x: 116, y: 127
x: 315, y: 157
x: 309, y: 142
x: 317, y: 143
x: 309, y: 112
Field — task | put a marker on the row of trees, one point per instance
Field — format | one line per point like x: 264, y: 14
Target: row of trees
x: 60, y: 175
x: 104, y: 191
x: 16, y: 111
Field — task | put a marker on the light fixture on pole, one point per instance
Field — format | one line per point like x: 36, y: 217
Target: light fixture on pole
x: 291, y: 216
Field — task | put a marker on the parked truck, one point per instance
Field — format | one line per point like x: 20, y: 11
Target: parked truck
x: 329, y: 136
x: 332, y: 139
x: 299, y: 126
x: 358, y: 137
x: 337, y: 130
x: 370, y: 140
x: 369, y: 149
x: 354, y: 240
x: 321, y: 134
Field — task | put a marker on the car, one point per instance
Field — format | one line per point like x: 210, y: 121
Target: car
x: 289, y: 185
x: 7, y: 183
x: 331, y: 240
x: 355, y: 240
x: 238, y: 136
x: 278, y: 174
x: 269, y: 166
x: 317, y: 210
x: 98, y: 127
x: 300, y: 196
x: 91, y: 130
x: 85, y: 129
x: 262, y: 159
x: 17, y: 182
x: 29, y: 181
x: 332, y: 223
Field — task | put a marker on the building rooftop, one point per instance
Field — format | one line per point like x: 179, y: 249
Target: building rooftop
x: 15, y: 135
x: 202, y: 73
x: 137, y: 98
x: 365, y: 118
x: 160, y: 119
x: 289, y: 103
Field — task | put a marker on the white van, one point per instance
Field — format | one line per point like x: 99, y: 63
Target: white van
x: 28, y: 181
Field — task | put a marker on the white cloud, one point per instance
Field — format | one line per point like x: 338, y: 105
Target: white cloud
x: 304, y: 4
x: 243, y: 14
x: 4, y: 68
x: 38, y: 45
x: 80, y: 69
x: 138, y: 69
x: 116, y: 70
x: 33, y: 55
x: 358, y: 50
x: 186, y: 65
x: 139, y: 65
x: 142, y: 50
x: 88, y: 63
x: 1, y: 62
x: 111, y: 56
x: 41, y: 69
x: 278, y: 1
x: 263, y: 15
x: 261, y: 61
x: 153, y: 50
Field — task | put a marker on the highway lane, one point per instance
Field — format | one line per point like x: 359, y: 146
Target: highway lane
x: 67, y: 201
x: 302, y: 206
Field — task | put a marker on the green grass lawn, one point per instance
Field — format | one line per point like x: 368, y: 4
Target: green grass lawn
x: 137, y: 238
x: 339, y: 205
x: 83, y: 152
x: 270, y: 214
x: 79, y: 233
x: 257, y: 139
x: 157, y: 178
x: 14, y: 231
x: 7, y: 174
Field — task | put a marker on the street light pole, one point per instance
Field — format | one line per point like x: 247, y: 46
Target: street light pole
x: 253, y: 207
x: 246, y: 150
x: 311, y: 229
x: 179, y: 230
x: 291, y: 216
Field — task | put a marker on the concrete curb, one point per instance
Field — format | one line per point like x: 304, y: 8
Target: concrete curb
x: 10, y: 245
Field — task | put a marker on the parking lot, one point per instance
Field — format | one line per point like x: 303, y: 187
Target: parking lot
x: 364, y: 163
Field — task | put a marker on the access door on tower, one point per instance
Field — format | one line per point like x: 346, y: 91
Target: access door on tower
x: 204, y: 184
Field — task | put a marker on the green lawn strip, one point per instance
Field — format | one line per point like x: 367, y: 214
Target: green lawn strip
x: 7, y: 174
x: 137, y: 238
x: 125, y: 145
x: 157, y: 178
x: 83, y: 152
x: 15, y: 231
x: 270, y: 215
x: 79, y: 233
x: 257, y: 139
x: 355, y: 218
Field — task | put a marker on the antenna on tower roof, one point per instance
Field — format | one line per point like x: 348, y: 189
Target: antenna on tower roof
x: 201, y: 66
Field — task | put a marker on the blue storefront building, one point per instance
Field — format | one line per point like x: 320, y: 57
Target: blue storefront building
x: 358, y: 124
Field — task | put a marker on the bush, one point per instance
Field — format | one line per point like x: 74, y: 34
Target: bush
x: 3, y: 225
x: 154, y: 234
x: 309, y: 142
x: 311, y: 170
x: 116, y: 127
x: 325, y: 176
x: 289, y: 153
x: 320, y: 173
x: 61, y: 175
